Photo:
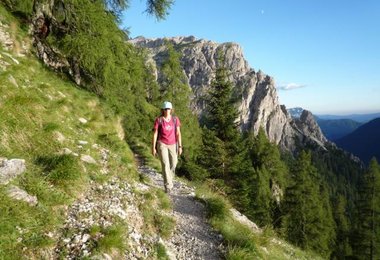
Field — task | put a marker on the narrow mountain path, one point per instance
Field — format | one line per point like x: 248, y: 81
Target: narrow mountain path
x: 193, y: 238
x: 103, y: 204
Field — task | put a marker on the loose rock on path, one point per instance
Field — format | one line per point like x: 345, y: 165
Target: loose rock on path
x: 193, y: 238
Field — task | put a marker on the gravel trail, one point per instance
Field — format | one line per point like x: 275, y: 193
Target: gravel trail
x: 193, y: 238
x: 103, y: 204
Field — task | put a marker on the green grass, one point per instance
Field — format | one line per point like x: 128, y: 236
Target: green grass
x: 161, y: 252
x: 241, y: 241
x: 164, y: 224
x: 114, y: 238
x: 163, y: 200
x: 23, y: 226
x: 144, y: 151
x: 60, y: 170
x: 154, y: 207
x: 42, y: 107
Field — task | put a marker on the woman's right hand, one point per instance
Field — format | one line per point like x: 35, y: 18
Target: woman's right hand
x: 154, y: 151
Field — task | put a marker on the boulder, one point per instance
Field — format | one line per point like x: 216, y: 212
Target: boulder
x: 10, y: 169
x: 16, y: 193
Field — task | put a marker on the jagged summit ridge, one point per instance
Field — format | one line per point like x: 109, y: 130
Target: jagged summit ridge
x: 255, y: 92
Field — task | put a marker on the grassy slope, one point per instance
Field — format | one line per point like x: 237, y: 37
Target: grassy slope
x: 39, y: 116
x: 241, y: 241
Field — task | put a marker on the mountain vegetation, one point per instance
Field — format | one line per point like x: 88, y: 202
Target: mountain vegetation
x: 367, y: 239
x: 316, y: 199
x: 364, y: 142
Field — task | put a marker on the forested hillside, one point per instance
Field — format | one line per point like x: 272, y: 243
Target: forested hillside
x: 364, y: 142
x: 317, y: 199
x: 338, y: 128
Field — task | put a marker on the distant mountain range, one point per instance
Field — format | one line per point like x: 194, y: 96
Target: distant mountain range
x: 335, y: 127
x: 364, y: 142
x: 362, y: 118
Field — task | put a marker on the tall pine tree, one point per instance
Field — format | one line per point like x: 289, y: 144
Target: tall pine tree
x: 308, y: 221
x: 342, y: 246
x: 269, y: 180
x: 225, y: 143
x: 367, y: 239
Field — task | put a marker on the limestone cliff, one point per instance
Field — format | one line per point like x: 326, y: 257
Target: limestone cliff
x: 255, y: 92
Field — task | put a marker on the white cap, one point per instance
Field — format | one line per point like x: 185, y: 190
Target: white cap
x: 166, y: 105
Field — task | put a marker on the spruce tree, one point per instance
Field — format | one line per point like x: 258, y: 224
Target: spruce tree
x: 260, y: 198
x: 367, y: 239
x: 223, y: 141
x: 342, y: 246
x: 214, y: 154
x: 307, y: 222
x: 269, y: 180
x: 221, y: 113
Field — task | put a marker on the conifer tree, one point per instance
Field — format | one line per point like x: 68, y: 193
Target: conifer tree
x: 214, y: 154
x: 343, y: 248
x: 223, y: 141
x: 158, y: 8
x: 221, y: 117
x: 260, y: 198
x: 269, y: 180
x: 367, y: 240
x: 306, y: 221
x: 221, y: 111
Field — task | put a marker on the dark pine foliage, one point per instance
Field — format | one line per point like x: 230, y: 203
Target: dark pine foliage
x: 366, y: 239
x: 308, y: 220
x: 224, y: 152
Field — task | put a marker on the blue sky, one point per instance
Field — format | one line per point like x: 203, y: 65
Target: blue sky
x: 324, y: 55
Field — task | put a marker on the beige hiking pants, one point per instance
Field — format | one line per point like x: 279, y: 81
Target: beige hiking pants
x: 168, y: 157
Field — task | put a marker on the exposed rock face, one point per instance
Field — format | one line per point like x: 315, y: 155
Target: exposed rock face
x: 10, y: 169
x: 255, y: 92
x: 309, y: 127
x: 43, y: 22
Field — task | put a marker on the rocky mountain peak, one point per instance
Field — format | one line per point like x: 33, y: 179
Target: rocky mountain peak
x: 255, y: 92
x: 310, y: 127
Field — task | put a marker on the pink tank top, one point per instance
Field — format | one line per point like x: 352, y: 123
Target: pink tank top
x: 167, y: 131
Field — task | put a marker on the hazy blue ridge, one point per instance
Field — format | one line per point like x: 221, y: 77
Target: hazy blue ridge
x: 364, y: 142
x: 362, y: 118
x: 338, y: 128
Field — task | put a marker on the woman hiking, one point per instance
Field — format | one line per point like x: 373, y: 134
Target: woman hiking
x: 167, y: 143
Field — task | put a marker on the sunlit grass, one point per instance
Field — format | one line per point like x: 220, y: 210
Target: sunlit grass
x: 240, y: 240
x: 154, y: 208
x: 39, y: 118
x: 161, y: 252
x: 113, y: 238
